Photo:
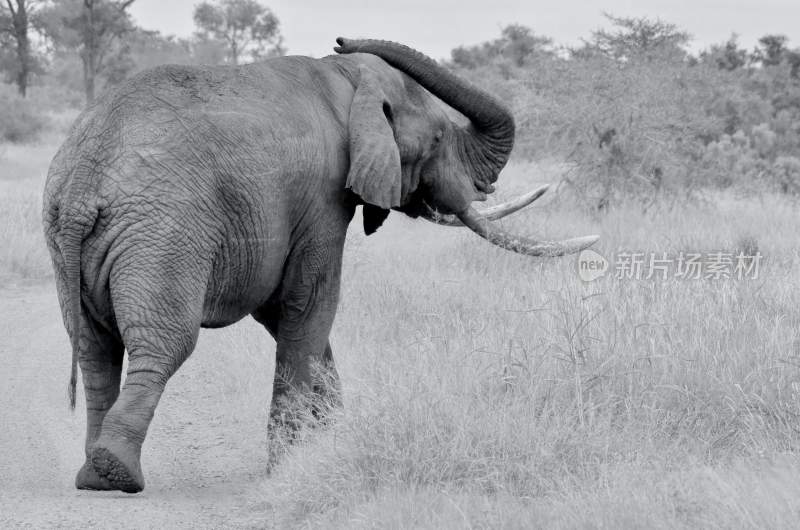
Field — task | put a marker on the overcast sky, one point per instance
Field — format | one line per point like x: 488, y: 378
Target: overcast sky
x: 435, y: 27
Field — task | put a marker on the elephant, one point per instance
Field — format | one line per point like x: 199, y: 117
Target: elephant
x: 190, y: 197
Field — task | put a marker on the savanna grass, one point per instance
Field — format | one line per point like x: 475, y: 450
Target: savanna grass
x: 23, y: 254
x: 486, y: 389
x: 491, y: 390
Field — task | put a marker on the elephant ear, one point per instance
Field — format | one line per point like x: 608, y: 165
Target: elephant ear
x: 375, y: 173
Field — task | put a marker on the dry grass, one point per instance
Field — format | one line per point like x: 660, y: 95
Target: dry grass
x: 22, y: 250
x: 23, y: 168
x: 488, y: 390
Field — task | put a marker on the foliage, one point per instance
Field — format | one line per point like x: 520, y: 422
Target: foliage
x: 635, y: 116
x: 637, y: 37
x: 630, y: 111
x: 208, y: 51
x: 120, y: 48
x: 771, y: 49
x: 244, y: 26
x: 726, y: 56
x: 93, y: 29
x: 7, y: 45
x: 20, y: 120
x: 146, y: 49
x: 19, y: 19
x: 517, y: 44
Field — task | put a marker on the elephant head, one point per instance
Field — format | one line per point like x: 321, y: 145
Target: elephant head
x: 407, y: 155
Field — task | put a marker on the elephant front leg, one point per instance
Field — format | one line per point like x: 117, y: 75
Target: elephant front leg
x: 305, y: 391
x: 100, y: 359
x: 306, y: 386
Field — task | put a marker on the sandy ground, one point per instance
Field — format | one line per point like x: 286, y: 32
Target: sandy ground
x: 203, y: 458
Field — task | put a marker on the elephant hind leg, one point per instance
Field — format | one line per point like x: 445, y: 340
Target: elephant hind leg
x: 100, y: 359
x: 158, y: 307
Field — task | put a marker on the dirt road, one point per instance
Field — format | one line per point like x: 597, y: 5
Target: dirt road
x: 204, y: 456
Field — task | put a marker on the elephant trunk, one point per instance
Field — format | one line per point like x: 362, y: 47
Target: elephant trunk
x: 487, y: 144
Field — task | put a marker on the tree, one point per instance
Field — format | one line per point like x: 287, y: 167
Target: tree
x: 771, y: 50
x: 517, y: 44
x: 640, y: 37
x: 148, y: 49
x: 793, y: 58
x: 15, y: 24
x: 244, y: 26
x: 728, y: 56
x: 94, y: 29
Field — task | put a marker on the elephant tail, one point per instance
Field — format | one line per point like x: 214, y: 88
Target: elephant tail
x: 71, y: 251
x: 76, y: 224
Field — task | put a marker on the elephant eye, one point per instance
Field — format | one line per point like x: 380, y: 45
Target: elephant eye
x: 438, y: 137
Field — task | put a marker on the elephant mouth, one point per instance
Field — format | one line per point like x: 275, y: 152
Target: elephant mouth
x: 482, y: 224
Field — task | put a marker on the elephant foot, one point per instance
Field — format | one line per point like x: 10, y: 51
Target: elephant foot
x: 280, y: 437
x: 88, y: 479
x: 119, y: 465
x: 295, y: 416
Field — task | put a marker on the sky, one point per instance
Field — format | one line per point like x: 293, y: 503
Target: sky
x: 435, y: 27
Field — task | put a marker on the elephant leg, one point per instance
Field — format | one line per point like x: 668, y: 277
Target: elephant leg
x: 331, y: 388
x: 159, y: 319
x: 300, y: 315
x: 100, y: 359
x: 325, y: 386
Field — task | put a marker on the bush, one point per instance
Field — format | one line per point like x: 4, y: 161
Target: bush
x: 629, y: 129
x: 787, y: 172
x: 649, y: 125
x: 20, y: 121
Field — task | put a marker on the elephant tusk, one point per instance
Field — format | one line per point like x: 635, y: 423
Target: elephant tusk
x: 492, y: 213
x: 473, y: 220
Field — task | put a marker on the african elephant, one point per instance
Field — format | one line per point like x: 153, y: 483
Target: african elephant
x: 192, y: 197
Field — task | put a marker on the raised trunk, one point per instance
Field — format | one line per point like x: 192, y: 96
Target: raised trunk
x: 490, y: 142
x: 484, y: 147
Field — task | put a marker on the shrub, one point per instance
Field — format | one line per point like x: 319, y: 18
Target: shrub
x: 20, y: 121
x: 649, y: 125
x: 787, y: 173
x: 764, y: 140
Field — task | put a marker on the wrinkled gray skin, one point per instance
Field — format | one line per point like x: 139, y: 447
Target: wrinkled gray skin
x: 194, y: 196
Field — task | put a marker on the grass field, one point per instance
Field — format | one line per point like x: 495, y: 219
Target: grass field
x: 488, y: 390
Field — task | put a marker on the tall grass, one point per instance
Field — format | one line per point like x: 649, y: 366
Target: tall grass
x: 485, y: 389
x: 22, y: 249
x: 23, y: 253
